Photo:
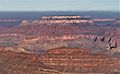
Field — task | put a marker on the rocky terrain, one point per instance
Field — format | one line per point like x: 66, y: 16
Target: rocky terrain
x: 60, y: 45
x: 58, y: 61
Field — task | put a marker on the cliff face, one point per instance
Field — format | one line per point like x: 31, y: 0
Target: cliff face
x: 39, y: 38
x: 58, y: 61
x: 78, y: 60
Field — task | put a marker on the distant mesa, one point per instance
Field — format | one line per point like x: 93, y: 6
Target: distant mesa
x: 59, y: 20
x: 61, y: 17
x: 25, y: 22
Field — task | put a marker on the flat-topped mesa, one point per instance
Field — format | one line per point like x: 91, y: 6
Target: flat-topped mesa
x: 60, y: 17
x: 65, y: 20
x: 59, y: 20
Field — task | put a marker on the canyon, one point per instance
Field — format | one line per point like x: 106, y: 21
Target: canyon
x: 60, y: 45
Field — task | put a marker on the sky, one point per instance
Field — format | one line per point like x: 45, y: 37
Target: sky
x: 59, y: 5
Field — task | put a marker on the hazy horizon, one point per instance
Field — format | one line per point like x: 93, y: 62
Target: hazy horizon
x: 59, y: 5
